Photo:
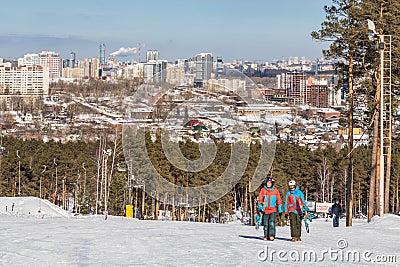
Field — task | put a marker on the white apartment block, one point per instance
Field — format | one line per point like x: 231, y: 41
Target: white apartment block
x: 24, y: 80
x: 134, y: 71
x: 29, y: 60
x: 226, y: 85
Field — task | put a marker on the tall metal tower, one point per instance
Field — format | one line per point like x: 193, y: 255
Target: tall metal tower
x: 385, y: 117
x: 385, y: 47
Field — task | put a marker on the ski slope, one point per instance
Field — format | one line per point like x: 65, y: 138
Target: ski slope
x: 31, y: 207
x: 118, y: 241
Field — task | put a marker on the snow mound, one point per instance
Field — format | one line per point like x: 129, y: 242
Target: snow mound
x: 387, y: 219
x: 375, y: 220
x: 31, y: 207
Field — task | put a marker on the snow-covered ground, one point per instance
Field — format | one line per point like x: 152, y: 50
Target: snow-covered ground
x: 118, y: 241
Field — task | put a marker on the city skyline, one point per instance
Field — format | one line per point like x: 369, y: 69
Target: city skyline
x: 235, y: 30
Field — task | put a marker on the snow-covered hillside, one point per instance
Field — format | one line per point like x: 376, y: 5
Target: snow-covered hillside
x: 118, y: 241
x: 30, y: 206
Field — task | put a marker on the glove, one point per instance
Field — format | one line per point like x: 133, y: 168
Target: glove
x: 260, y: 207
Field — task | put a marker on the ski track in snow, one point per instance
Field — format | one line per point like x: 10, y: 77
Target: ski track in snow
x: 118, y: 241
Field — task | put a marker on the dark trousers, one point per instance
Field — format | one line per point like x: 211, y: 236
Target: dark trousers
x: 335, y: 220
x: 269, y: 224
x: 295, y: 224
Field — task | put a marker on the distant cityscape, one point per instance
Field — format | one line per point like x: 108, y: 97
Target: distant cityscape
x: 295, y: 99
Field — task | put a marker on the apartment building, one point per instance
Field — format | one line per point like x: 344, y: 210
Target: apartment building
x: 53, y: 62
x: 24, y: 80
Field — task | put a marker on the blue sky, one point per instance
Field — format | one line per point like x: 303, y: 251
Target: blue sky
x: 252, y: 30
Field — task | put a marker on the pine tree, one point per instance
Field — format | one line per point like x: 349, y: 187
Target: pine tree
x: 344, y: 28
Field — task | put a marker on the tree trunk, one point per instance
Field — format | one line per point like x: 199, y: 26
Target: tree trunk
x: 374, y: 164
x: 173, y: 208
x: 246, y: 208
x: 143, y: 199
x: 349, y: 186
x: 397, y: 196
x: 251, y: 211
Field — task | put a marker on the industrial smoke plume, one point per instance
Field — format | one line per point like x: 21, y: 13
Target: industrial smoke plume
x: 124, y: 51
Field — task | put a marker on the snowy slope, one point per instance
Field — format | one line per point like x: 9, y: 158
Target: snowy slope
x: 118, y: 241
x: 30, y: 206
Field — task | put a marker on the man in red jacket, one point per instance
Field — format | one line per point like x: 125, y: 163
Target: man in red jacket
x: 269, y: 202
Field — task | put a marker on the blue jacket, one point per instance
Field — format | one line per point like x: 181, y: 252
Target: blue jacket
x: 294, y: 201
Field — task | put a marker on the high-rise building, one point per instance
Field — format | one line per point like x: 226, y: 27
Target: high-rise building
x: 24, y: 80
x: 29, y: 60
x: 155, y: 69
x: 95, y: 68
x: 151, y: 55
x: 220, y: 67
x: 318, y: 93
x: 71, y: 62
x: 203, y: 63
x: 102, y: 55
x: 52, y: 61
x: 295, y: 85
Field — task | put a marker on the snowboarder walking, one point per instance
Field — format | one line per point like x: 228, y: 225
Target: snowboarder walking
x: 294, y: 203
x: 336, y: 211
x: 269, y: 203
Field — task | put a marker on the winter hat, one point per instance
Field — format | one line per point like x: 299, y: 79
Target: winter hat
x: 269, y: 179
x: 292, y: 185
